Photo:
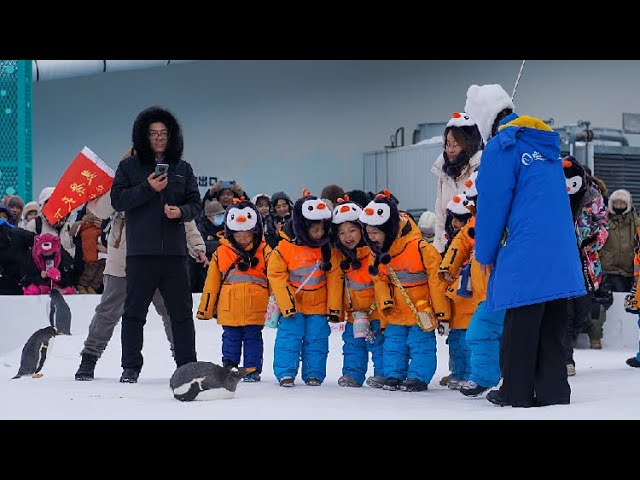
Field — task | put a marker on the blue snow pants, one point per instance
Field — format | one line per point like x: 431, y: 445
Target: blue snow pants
x: 305, y: 337
x: 356, y: 351
x: 459, y: 354
x: 247, y: 340
x: 409, y: 352
x: 483, y: 338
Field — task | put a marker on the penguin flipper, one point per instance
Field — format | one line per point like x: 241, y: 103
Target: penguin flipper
x: 42, y: 356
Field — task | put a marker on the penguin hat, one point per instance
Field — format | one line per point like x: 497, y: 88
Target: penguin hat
x: 306, y: 211
x: 243, y: 216
x: 190, y: 380
x: 34, y: 352
x: 382, y: 213
x: 347, y: 211
x: 59, y: 312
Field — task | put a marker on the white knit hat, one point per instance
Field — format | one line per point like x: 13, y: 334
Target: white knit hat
x: 484, y: 102
x: 427, y: 222
x: 45, y: 195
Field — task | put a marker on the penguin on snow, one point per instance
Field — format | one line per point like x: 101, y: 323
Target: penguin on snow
x: 34, y: 352
x: 59, y: 312
x: 205, y: 381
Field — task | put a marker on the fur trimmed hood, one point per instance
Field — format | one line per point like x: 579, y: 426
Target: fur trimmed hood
x: 140, y: 135
x: 623, y: 195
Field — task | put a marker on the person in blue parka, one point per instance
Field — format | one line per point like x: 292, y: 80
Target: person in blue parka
x: 525, y: 235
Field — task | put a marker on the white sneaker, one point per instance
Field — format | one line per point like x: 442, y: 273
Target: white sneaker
x: 571, y: 370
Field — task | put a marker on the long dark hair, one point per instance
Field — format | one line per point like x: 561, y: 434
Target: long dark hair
x: 470, y: 139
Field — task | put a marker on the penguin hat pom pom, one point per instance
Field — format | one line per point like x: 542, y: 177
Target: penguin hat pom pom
x: 206, y: 381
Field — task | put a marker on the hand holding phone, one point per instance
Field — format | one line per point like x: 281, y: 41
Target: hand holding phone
x: 157, y: 183
x: 161, y: 169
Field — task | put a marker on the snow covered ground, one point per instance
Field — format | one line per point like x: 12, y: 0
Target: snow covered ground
x: 604, y: 387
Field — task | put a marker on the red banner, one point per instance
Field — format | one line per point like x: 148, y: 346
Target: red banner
x: 86, y: 178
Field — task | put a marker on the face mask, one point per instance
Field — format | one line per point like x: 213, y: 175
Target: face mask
x: 218, y: 220
x: 619, y: 211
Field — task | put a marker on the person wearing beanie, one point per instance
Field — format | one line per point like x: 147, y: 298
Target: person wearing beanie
x: 297, y: 272
x: 460, y: 157
x: 524, y: 234
x: 462, y: 307
x: 29, y: 212
x: 427, y: 225
x: 236, y: 289
x: 350, y: 290
x: 281, y: 207
x: 331, y: 193
x: 156, y: 208
x: 409, y: 348
x: 590, y: 218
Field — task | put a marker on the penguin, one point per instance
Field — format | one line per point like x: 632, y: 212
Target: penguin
x: 34, y: 352
x: 59, y: 312
x: 191, y: 379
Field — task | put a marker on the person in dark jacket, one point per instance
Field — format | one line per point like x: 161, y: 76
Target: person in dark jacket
x: 156, y: 209
x: 14, y: 256
x: 281, y: 207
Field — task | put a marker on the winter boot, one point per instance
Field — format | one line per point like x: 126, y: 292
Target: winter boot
x: 129, y: 375
x: 413, y: 385
x: 313, y: 382
x: 392, y: 384
x: 633, y: 362
x: 472, y: 389
x: 596, y: 344
x: 252, y: 377
x: 286, y: 382
x: 571, y: 370
x: 445, y: 380
x: 377, y: 381
x: 87, y: 367
x: 347, y: 381
x: 229, y: 363
x: 494, y: 397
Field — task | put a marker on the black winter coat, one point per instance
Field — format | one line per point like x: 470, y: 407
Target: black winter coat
x: 14, y: 256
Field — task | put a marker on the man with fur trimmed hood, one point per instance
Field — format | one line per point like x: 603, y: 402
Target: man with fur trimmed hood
x: 156, y: 209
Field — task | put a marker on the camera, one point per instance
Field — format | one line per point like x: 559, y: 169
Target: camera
x: 230, y: 184
x: 161, y: 169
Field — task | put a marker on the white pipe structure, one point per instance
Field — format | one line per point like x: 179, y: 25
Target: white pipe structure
x: 44, y: 70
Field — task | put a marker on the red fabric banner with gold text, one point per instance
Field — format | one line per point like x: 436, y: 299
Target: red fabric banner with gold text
x: 86, y: 178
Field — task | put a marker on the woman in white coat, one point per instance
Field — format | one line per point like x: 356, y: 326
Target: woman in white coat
x: 460, y: 157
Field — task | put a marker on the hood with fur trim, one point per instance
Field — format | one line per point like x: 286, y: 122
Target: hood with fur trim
x: 623, y: 195
x: 243, y: 216
x: 140, y: 135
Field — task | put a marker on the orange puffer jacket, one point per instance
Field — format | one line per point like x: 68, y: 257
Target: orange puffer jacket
x: 243, y: 296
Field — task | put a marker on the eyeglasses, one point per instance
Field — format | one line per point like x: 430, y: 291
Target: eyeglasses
x: 155, y: 134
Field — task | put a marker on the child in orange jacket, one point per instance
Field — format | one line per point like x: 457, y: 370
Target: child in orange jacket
x: 462, y: 307
x: 236, y: 286
x: 351, y: 289
x: 401, y: 256
x: 484, y: 332
x: 297, y: 275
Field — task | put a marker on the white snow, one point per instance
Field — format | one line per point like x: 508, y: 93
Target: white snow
x: 604, y: 387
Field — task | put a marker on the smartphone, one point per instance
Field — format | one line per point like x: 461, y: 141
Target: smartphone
x: 161, y: 169
x: 230, y: 184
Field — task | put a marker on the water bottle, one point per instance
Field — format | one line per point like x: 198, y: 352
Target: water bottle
x: 272, y: 315
x: 360, y: 324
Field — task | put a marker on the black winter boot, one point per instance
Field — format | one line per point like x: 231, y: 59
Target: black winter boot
x: 86, y: 368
